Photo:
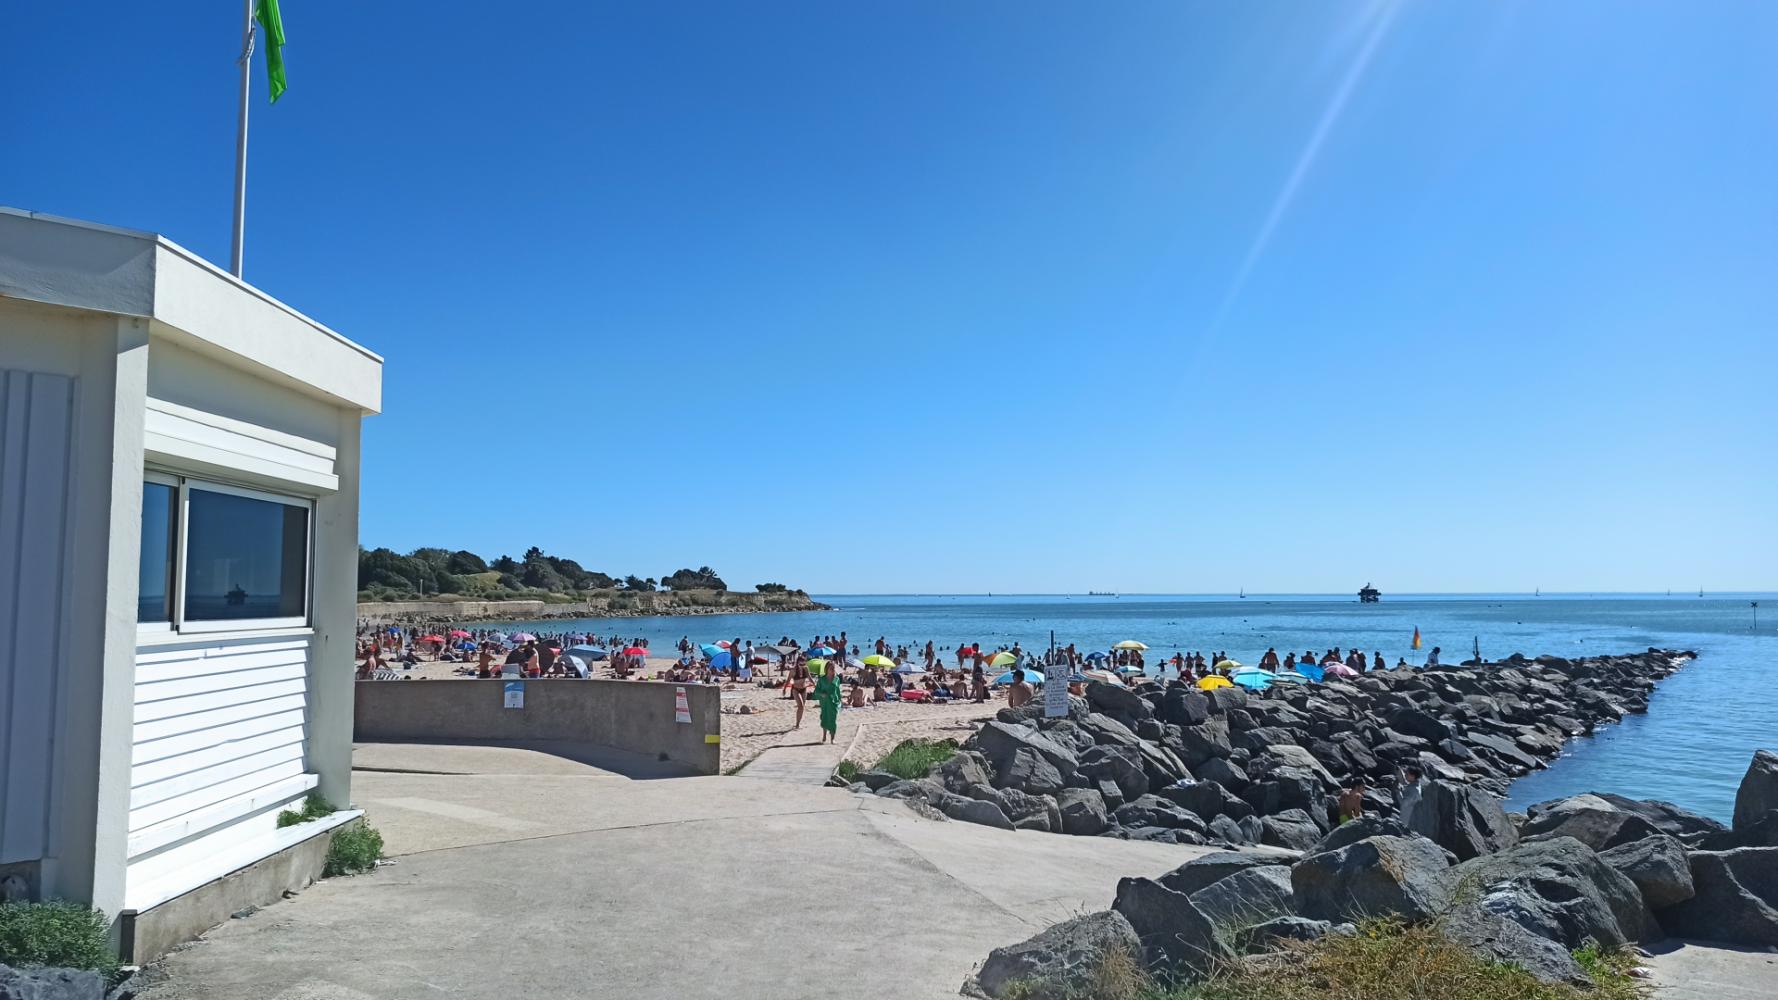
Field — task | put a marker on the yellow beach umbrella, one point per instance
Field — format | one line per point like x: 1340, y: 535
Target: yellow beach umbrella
x: 1226, y: 666
x: 1212, y: 683
x: 879, y: 660
x: 1130, y: 644
x: 1002, y: 659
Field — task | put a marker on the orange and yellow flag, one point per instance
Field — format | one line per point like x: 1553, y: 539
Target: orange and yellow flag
x: 1416, y: 637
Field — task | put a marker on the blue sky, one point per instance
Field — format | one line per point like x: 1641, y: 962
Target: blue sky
x: 1175, y: 297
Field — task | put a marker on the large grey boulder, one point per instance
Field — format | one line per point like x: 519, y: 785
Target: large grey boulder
x: 1029, y: 771
x: 1292, y: 828
x: 1558, y: 889
x: 1659, y: 867
x: 1222, y: 771
x: 1499, y: 937
x: 1152, y: 810
x: 1212, y: 868
x: 1184, y: 707
x: 1590, y: 819
x: 1028, y: 811
x: 1374, y: 877
x: 974, y: 811
x: 1354, y: 830
x: 1083, y: 811
x: 1227, y: 699
x: 1735, y: 898
x: 1689, y: 827
x: 1226, y: 830
x: 1117, y: 701
x: 1758, y: 794
x: 1121, y: 765
x: 1205, y: 741
x: 964, y: 769
x: 999, y: 742
x: 50, y: 984
x: 1466, y: 821
x: 1176, y: 938
x: 1059, y: 963
x: 1247, y: 897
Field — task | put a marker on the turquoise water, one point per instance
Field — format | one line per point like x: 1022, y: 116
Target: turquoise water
x: 1691, y: 748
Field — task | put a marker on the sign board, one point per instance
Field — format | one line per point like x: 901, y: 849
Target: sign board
x: 515, y: 694
x: 1055, y: 690
x: 681, y: 708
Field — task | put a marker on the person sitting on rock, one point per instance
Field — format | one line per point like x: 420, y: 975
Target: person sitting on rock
x: 1352, y: 801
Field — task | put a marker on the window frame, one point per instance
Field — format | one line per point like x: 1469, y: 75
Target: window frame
x: 183, y: 485
x: 176, y: 544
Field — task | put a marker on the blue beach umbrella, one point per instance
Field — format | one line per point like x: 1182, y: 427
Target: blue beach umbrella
x: 1252, y: 678
x: 588, y: 652
x: 1289, y: 677
x: 1095, y: 656
x: 721, y: 661
x: 711, y: 649
x: 1312, y: 672
x: 1035, y: 680
x: 907, y: 668
x: 820, y: 650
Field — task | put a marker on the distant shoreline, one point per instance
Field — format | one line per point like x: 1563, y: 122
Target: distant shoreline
x: 469, y: 612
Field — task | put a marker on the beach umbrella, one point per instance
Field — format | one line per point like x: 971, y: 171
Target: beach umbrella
x: 588, y: 652
x: 553, y: 643
x: 432, y: 638
x: 577, y: 666
x: 816, y: 666
x: 465, y: 645
x: 725, y: 643
x: 1212, y: 683
x: 1252, y: 678
x: 458, y: 633
x: 1095, y: 656
x: 820, y: 650
x: 1034, y: 679
x: 722, y: 660
x: 710, y: 649
x: 1312, y: 672
x: 907, y: 668
x: 767, y: 653
x: 1289, y: 677
x: 1224, y: 666
x: 1339, y: 670
x: 1002, y: 659
x: 1104, y: 676
x: 522, y: 637
x: 1130, y: 644
x: 635, y: 651
x: 879, y: 660
x: 1128, y: 668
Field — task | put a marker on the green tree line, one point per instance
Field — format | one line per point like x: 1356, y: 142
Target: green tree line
x: 384, y: 574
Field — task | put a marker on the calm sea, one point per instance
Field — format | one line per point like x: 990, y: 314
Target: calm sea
x: 1691, y: 748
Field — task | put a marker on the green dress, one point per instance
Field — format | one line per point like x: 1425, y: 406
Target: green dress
x: 827, y: 692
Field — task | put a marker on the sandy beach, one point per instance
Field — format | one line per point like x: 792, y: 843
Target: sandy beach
x: 769, y: 716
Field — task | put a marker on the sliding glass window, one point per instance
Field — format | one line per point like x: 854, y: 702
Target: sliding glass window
x: 218, y: 557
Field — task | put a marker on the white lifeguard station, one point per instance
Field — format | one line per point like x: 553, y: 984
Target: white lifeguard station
x: 179, y: 458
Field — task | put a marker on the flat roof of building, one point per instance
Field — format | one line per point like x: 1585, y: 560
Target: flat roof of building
x: 90, y: 266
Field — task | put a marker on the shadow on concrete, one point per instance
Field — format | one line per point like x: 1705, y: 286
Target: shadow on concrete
x: 564, y: 757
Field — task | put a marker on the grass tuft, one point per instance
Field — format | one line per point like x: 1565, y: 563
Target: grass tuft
x: 55, y: 933
x: 1389, y: 960
x: 355, y: 849
x: 912, y: 759
x: 848, y: 770
x: 314, y: 807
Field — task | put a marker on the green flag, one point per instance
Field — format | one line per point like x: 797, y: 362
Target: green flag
x: 266, y: 13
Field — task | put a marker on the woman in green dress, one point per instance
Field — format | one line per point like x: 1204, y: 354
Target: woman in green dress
x: 827, y: 694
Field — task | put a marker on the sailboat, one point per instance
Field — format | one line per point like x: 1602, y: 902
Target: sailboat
x: 1243, y: 593
x: 1536, y: 591
x: 1700, y: 591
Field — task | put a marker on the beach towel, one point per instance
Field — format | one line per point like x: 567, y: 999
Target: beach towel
x: 827, y: 693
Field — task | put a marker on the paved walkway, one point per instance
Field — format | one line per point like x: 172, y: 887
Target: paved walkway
x: 567, y: 885
x: 797, y: 763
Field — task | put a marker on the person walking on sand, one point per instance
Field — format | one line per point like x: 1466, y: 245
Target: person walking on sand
x: 827, y: 693
x: 799, y: 689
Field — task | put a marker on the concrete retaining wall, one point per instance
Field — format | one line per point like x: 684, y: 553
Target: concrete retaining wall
x: 628, y: 715
x: 466, y: 610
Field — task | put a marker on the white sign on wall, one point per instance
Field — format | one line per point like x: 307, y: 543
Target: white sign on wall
x: 1055, y: 690
x: 515, y: 694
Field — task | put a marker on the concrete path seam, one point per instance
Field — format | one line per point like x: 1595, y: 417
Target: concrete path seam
x: 849, y: 807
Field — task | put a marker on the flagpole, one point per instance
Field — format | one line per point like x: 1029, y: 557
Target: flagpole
x: 246, y: 61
